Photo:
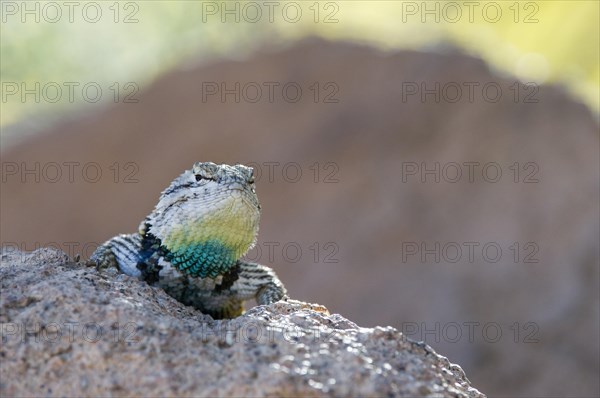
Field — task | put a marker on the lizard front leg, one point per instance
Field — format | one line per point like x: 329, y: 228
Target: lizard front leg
x: 258, y: 282
x: 121, y: 252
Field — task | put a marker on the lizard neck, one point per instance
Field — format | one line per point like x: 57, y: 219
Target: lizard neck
x: 209, y: 246
x: 207, y: 259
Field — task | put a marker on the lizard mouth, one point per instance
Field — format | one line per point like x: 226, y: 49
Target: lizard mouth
x: 236, y: 186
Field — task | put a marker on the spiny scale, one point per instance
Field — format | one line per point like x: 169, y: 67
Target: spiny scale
x: 192, y: 242
x: 206, y: 259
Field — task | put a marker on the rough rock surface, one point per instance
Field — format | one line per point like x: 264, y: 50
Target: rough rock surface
x: 68, y: 330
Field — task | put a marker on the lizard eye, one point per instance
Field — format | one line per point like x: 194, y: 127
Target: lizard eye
x: 200, y: 177
x: 251, y: 180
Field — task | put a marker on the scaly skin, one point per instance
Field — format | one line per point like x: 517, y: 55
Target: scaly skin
x: 192, y: 242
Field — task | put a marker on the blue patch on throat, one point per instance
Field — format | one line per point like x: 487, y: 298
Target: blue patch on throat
x: 209, y: 259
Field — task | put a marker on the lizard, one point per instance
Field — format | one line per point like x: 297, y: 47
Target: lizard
x: 192, y: 243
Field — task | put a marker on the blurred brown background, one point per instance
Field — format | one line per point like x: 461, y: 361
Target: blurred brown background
x: 518, y: 328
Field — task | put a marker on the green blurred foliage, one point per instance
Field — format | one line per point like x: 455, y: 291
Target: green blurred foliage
x: 543, y: 41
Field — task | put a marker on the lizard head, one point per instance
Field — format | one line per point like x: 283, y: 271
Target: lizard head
x: 207, y: 218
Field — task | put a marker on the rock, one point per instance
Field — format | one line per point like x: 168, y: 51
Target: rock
x: 68, y: 330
